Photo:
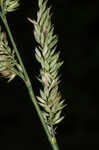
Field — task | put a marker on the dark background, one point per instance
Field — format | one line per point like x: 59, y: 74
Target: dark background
x: 77, y: 25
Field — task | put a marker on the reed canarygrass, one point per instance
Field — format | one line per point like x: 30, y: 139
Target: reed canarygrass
x: 48, y: 103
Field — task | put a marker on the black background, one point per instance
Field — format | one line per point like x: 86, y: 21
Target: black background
x: 76, y: 23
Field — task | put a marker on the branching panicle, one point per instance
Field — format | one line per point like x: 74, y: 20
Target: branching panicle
x: 47, y: 56
x: 7, y: 59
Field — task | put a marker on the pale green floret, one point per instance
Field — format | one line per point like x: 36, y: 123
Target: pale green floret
x: 9, y: 5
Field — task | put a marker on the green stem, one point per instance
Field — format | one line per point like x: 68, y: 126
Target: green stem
x: 51, y: 124
x: 52, y: 141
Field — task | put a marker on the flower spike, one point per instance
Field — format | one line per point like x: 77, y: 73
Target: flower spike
x: 46, y: 55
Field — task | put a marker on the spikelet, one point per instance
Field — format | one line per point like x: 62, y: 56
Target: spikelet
x: 50, y: 97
